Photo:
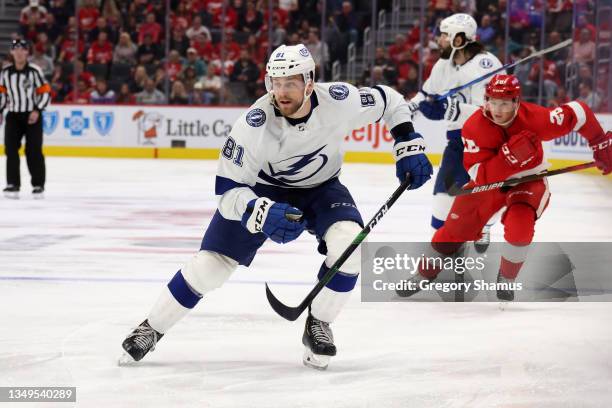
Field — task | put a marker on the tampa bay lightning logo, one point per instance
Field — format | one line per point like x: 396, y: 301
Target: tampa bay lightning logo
x: 295, y: 169
x: 339, y: 92
x: 103, y: 122
x: 50, y: 121
x: 304, y: 52
x: 486, y: 63
x: 256, y: 117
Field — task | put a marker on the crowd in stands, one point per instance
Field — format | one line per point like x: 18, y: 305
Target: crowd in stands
x: 397, y: 64
x: 198, y: 52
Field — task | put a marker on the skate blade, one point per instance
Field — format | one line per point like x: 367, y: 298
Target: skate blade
x: 316, y: 361
x: 39, y: 196
x: 125, y: 360
x: 12, y: 196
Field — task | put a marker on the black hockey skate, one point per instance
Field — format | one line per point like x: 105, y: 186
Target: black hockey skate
x: 483, y: 243
x: 319, y: 341
x: 38, y: 193
x: 139, y: 342
x: 11, y: 192
x: 505, y: 295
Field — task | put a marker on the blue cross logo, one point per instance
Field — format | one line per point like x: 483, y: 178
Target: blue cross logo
x: 76, y: 123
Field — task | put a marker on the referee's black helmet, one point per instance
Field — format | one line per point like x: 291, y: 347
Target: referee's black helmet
x: 19, y: 43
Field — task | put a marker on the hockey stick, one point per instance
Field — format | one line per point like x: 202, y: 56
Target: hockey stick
x: 292, y: 313
x: 453, y: 91
x: 454, y: 190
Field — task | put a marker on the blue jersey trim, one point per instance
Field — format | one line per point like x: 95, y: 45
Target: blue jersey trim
x: 223, y: 184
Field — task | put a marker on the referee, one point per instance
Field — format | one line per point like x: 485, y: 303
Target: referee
x: 24, y: 93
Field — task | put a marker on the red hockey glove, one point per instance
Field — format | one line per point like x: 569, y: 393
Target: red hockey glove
x: 523, y: 150
x: 602, y: 152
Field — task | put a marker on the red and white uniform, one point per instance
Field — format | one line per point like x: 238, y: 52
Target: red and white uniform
x: 485, y: 161
x: 482, y: 138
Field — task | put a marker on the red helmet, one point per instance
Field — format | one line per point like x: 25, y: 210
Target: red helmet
x: 503, y: 86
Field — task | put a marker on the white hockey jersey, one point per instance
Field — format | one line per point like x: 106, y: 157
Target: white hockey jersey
x: 445, y: 75
x: 264, y: 147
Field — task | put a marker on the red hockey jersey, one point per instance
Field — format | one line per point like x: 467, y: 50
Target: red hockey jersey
x: 483, y: 139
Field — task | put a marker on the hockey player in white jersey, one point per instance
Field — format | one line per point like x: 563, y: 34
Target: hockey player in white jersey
x: 278, y: 175
x: 462, y: 60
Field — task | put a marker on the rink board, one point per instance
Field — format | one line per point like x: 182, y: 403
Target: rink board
x: 198, y: 133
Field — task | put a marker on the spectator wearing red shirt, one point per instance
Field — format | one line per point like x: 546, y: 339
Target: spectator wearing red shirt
x: 582, y: 23
x: 231, y: 49
x: 34, y: 12
x: 82, y: 95
x: 88, y: 15
x: 282, y: 15
x: 434, y: 56
x: 80, y: 73
x: 173, y: 65
x: 100, y: 52
x: 399, y: 47
x: 226, y: 54
x: 204, y: 47
x: 30, y: 31
x: 181, y: 17
x: 124, y: 96
x: 70, y: 47
x: 551, y: 79
x: 151, y: 27
x: 215, y: 9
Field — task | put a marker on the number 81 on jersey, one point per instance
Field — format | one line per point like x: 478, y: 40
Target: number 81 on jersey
x: 232, y: 151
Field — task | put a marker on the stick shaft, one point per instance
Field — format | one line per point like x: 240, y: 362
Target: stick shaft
x: 457, y: 191
x: 507, y: 66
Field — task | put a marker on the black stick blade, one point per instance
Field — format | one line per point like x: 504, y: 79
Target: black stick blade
x: 289, y: 313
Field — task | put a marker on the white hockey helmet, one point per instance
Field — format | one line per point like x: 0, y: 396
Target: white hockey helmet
x: 288, y: 60
x: 457, y: 24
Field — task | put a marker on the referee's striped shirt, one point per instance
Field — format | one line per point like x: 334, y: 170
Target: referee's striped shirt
x: 23, y: 90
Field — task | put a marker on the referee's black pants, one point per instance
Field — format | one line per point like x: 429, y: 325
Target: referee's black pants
x: 16, y: 127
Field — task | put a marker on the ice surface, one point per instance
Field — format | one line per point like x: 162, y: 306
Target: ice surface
x: 83, y: 266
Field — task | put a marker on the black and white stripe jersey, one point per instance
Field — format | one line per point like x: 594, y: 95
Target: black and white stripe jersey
x: 23, y: 90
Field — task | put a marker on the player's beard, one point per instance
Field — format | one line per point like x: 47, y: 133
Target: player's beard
x: 289, y: 109
x: 446, y: 52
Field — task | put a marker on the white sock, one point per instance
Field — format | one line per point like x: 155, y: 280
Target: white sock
x: 328, y: 304
x: 166, y: 312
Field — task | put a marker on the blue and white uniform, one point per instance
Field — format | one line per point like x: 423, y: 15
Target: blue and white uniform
x: 272, y: 167
x: 446, y: 75
x: 298, y: 162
